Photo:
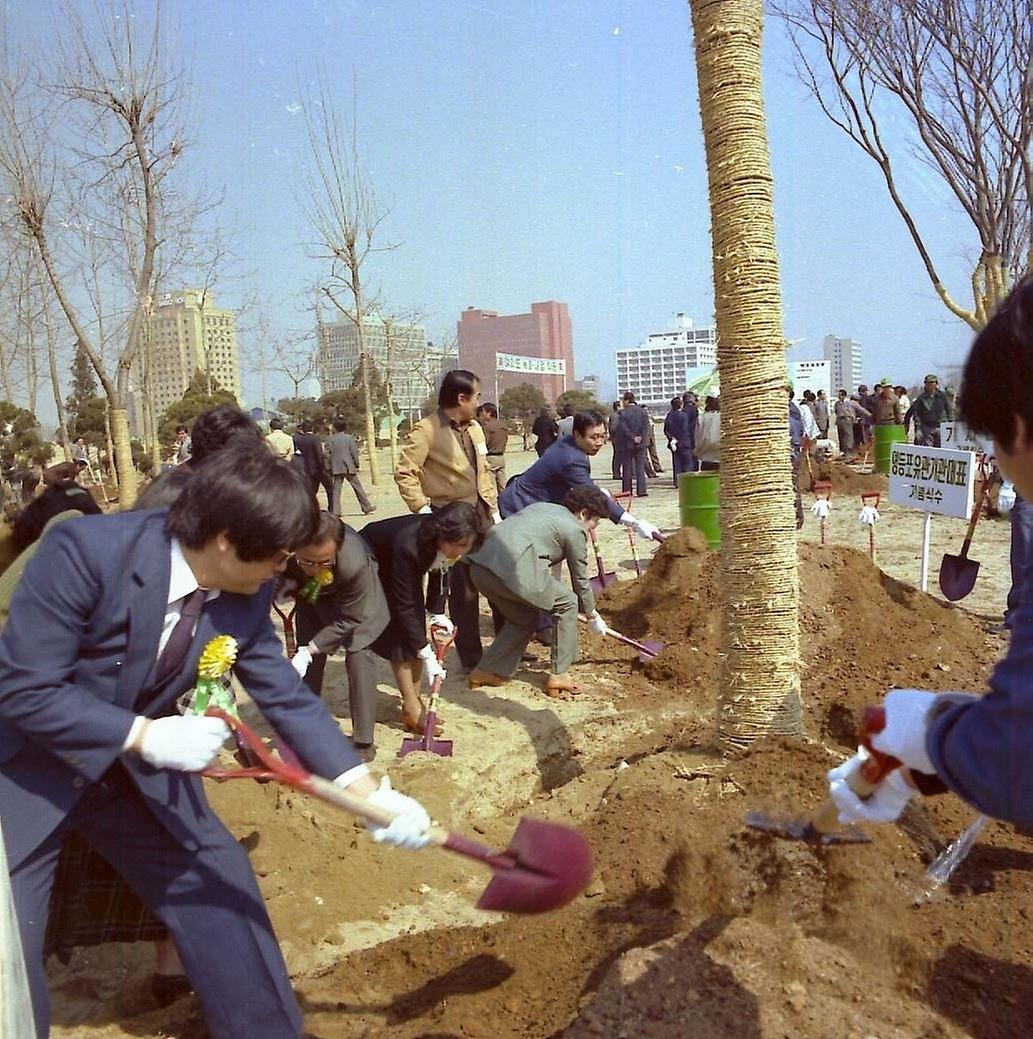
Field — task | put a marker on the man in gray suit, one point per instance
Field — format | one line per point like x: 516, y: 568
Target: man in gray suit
x: 512, y: 570
x: 343, y: 457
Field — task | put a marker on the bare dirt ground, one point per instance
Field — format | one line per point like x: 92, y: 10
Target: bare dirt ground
x: 695, y: 925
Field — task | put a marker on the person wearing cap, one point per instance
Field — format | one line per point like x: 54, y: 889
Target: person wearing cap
x: 931, y: 407
x: 885, y: 405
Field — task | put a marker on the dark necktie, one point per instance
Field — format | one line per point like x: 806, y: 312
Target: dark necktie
x: 179, y: 641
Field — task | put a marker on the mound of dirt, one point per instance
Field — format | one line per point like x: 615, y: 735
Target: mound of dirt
x: 845, y: 480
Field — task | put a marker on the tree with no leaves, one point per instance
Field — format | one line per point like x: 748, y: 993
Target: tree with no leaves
x: 121, y: 137
x: 960, y: 72
x: 759, y: 585
x: 343, y: 212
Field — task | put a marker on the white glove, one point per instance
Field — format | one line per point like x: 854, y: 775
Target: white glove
x: 605, y: 491
x: 496, y: 516
x: 409, y: 827
x: 821, y: 508
x: 1006, y: 497
x: 904, y: 735
x: 440, y: 620
x: 889, y: 799
x: 425, y: 510
x: 432, y: 667
x: 672, y: 444
x: 640, y: 526
x: 301, y: 660
x: 185, y: 743
x: 596, y: 623
x: 869, y: 515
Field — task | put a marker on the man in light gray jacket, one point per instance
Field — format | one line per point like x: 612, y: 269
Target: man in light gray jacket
x: 513, y: 571
x: 343, y: 458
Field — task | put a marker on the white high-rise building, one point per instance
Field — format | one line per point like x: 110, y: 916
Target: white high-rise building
x: 845, y: 360
x: 398, y: 349
x: 655, y: 371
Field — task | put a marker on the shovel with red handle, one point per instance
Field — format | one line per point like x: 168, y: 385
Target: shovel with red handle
x: 545, y: 866
x: 287, y: 619
x: 823, y: 825
x: 602, y: 578
x: 441, y: 640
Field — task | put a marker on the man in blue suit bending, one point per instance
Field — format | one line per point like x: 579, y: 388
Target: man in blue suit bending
x: 104, y: 636
x: 563, y: 466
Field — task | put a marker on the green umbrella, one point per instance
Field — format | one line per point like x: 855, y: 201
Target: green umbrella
x: 708, y: 385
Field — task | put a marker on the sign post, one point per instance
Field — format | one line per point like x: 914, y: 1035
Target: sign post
x: 936, y: 480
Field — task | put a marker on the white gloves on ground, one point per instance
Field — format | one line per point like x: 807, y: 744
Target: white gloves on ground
x: 186, y: 743
x: 889, y: 799
x: 409, y: 827
x: 821, y: 508
x: 432, y: 667
x: 1006, y: 497
x: 639, y: 526
x: 425, y: 510
x: 301, y: 660
x: 868, y: 515
x: 441, y: 620
x: 596, y: 623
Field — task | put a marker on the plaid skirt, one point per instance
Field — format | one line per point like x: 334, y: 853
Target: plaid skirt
x: 91, y: 904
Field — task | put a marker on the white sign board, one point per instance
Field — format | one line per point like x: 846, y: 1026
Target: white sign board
x: 933, y: 479
x: 535, y: 365
x: 955, y: 435
x: 811, y: 375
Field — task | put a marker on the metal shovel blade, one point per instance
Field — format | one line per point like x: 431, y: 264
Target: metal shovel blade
x: 427, y: 742
x: 957, y: 576
x: 601, y: 581
x: 804, y: 830
x: 550, y: 865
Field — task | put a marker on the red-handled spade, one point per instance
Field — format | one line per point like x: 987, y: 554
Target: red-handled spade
x: 441, y: 640
x: 545, y: 866
x: 823, y: 825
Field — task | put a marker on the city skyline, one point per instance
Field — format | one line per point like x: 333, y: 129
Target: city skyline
x: 550, y: 152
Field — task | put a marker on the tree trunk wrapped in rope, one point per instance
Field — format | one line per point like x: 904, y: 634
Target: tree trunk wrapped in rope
x: 760, y: 658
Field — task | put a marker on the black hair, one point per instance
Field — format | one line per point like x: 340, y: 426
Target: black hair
x: 162, y: 491
x: 585, y: 420
x: 340, y: 425
x: 215, y: 428
x: 999, y: 371
x: 490, y: 409
x: 586, y: 497
x: 329, y: 526
x: 262, y: 504
x: 456, y: 383
x: 629, y: 397
x: 456, y: 521
x: 616, y: 405
x: 276, y: 423
x: 712, y: 404
x: 308, y: 426
x: 676, y: 404
x: 180, y: 429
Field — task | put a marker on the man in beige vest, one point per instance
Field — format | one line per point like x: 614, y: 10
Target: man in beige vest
x: 445, y: 459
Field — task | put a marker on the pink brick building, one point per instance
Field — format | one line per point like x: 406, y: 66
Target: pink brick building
x: 545, y: 332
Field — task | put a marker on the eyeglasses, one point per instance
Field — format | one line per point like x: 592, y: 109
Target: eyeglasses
x: 310, y: 564
x: 282, y: 556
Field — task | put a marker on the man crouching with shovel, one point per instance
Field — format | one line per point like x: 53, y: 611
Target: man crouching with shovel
x: 978, y: 748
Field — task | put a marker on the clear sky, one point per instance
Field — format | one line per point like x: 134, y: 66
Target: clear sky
x: 546, y: 149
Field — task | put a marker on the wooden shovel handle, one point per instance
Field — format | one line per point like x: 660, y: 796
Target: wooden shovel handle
x: 977, y: 509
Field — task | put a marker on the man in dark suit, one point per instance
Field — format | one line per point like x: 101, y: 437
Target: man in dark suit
x: 343, y: 455
x: 546, y: 431
x: 105, y: 633
x: 308, y: 457
x: 632, y: 440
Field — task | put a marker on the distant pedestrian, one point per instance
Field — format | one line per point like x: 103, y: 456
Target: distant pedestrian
x: 633, y: 441
x: 182, y: 445
x: 844, y: 412
x: 821, y: 413
x: 279, y: 442
x: 496, y: 436
x: 902, y: 399
x: 708, y: 436
x: 546, y: 431
x: 566, y: 421
x: 931, y: 407
x: 308, y: 457
x: 680, y: 439
x: 343, y: 458
x: 611, y: 428
x: 885, y: 406
x: 653, y: 466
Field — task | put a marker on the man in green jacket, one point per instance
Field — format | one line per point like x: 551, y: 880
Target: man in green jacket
x: 513, y: 571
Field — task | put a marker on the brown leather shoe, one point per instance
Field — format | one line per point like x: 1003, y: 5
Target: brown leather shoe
x: 478, y: 677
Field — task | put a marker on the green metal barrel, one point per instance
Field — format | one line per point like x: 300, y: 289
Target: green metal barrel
x: 697, y: 504
x: 885, y: 438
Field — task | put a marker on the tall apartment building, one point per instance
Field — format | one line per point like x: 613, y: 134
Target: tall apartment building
x: 543, y: 334
x: 845, y: 361
x: 655, y: 371
x: 409, y: 364
x: 187, y: 333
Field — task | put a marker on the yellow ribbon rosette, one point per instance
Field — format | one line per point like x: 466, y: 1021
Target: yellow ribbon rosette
x: 212, y: 688
x: 311, y: 589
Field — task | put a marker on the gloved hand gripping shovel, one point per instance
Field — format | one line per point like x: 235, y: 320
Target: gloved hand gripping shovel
x: 647, y: 651
x: 442, y: 640
x: 823, y: 826
x: 658, y: 537
x: 545, y: 866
